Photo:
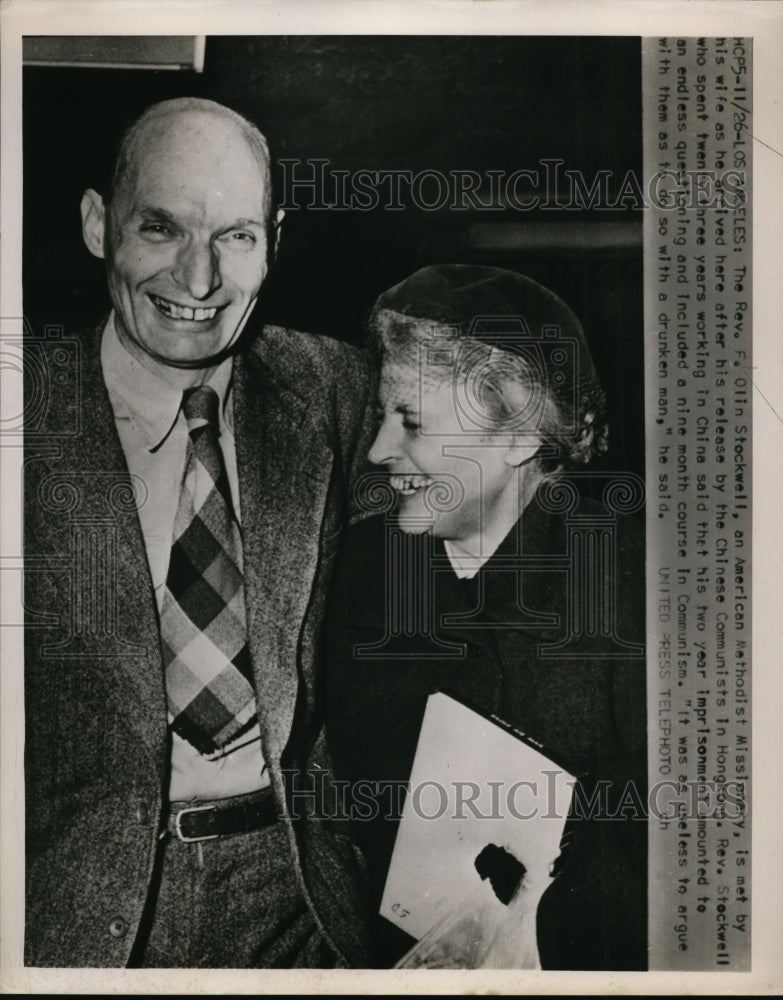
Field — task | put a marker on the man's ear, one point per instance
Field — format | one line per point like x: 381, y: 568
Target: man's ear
x: 277, y: 228
x: 93, y: 222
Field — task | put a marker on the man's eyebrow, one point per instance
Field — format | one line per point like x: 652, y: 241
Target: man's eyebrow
x: 405, y: 408
x: 241, y: 222
x: 157, y: 214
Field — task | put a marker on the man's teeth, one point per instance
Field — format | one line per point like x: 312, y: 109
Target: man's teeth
x: 183, y: 312
x: 408, y: 485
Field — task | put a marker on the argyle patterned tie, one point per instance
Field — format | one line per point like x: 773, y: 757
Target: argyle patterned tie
x: 203, y: 632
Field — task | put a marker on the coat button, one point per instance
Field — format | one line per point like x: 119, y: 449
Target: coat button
x: 118, y: 927
x: 142, y: 814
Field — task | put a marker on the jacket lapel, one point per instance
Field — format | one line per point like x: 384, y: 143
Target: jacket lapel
x: 124, y: 645
x: 284, y: 466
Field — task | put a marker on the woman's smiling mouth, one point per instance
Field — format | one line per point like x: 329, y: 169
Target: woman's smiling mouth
x: 409, y: 484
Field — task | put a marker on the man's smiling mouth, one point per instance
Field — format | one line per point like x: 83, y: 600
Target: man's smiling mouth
x: 172, y: 311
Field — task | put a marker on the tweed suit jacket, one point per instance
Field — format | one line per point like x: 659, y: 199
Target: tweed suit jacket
x: 96, y: 745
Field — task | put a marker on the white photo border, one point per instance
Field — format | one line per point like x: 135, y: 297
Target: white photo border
x: 760, y: 19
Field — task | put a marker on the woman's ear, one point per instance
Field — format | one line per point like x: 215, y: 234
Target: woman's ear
x: 522, y: 449
x: 93, y: 222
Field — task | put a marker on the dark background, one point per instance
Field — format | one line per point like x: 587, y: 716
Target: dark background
x: 377, y: 103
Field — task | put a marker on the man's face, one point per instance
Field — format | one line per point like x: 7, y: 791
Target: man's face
x: 186, y: 240
x: 449, y: 480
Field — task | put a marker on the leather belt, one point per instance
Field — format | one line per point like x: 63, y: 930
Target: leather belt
x: 209, y: 820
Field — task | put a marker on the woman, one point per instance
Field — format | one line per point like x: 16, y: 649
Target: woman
x: 495, y: 582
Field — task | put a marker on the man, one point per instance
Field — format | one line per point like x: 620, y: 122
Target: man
x: 179, y: 544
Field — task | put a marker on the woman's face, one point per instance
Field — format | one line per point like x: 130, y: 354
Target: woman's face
x: 450, y: 475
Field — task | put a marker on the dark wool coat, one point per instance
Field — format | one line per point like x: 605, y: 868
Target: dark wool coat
x: 96, y: 751
x: 528, y: 661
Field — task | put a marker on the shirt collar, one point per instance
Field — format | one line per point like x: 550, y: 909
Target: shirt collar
x: 464, y: 565
x: 147, y: 399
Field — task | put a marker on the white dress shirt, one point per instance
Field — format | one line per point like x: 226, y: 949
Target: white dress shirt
x: 154, y: 436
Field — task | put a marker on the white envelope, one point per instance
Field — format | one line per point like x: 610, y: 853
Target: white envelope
x: 474, y: 783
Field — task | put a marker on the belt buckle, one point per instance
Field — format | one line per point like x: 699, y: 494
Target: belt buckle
x: 178, y: 824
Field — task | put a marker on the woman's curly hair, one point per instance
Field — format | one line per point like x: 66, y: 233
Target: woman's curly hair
x: 500, y: 391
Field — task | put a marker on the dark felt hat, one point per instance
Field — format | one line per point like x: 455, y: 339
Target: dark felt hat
x: 500, y: 308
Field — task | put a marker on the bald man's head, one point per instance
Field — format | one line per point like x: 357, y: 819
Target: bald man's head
x: 186, y: 233
x: 157, y: 120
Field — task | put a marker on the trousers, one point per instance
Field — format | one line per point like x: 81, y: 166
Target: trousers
x: 231, y: 902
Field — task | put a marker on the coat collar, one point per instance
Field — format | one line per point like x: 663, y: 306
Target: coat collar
x: 285, y: 465
x: 519, y: 587
x: 130, y: 652
x: 528, y: 584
